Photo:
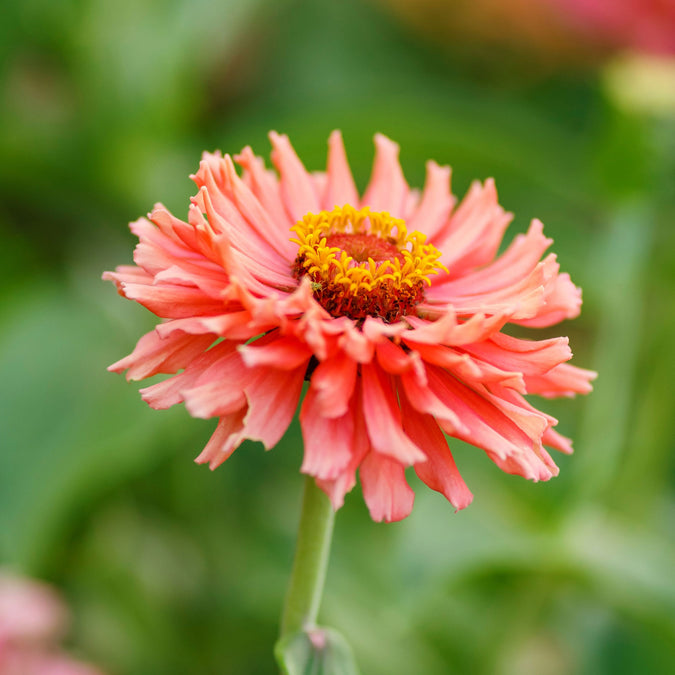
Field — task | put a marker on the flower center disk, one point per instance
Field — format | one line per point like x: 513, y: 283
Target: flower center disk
x: 363, y: 263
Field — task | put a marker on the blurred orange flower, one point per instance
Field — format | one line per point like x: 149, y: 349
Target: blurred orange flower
x: 390, y: 304
x: 560, y: 33
x: 500, y: 34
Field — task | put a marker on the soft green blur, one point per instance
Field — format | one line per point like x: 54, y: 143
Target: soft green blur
x: 105, y: 108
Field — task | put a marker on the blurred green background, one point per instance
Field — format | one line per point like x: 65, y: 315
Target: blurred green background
x: 105, y: 108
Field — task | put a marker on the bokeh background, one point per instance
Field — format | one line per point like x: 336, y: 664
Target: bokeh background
x: 105, y: 108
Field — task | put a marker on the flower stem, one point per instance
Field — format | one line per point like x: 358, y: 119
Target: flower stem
x: 311, y: 561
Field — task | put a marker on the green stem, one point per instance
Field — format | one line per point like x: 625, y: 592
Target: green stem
x: 311, y: 561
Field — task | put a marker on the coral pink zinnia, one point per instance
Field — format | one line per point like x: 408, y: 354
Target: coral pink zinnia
x: 390, y: 304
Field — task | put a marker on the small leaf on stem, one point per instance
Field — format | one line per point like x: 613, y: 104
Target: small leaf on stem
x: 316, y: 651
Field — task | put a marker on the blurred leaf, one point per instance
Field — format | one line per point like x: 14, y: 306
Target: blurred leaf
x: 71, y: 431
x: 320, y: 651
x: 630, y: 567
x: 620, y: 264
x: 622, y: 159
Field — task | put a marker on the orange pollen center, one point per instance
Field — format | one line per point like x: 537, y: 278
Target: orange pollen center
x: 361, y: 246
x: 363, y: 263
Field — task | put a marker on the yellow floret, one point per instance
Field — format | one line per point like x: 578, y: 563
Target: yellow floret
x: 333, y: 265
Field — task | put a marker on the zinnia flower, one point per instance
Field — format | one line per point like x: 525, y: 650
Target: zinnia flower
x: 390, y: 304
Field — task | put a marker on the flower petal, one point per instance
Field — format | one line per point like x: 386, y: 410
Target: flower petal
x: 170, y: 301
x: 333, y: 382
x: 215, y: 180
x: 223, y: 441
x: 340, y: 188
x: 385, y: 489
x: 327, y: 441
x: 273, y: 397
x: 448, y: 331
x: 421, y: 398
x: 563, y: 380
x: 297, y: 188
x: 218, y: 389
x: 285, y: 353
x: 235, y: 325
x: 253, y: 211
x: 170, y: 392
x: 214, y: 399
x: 249, y: 250
x: 514, y: 264
x: 470, y: 368
x: 489, y: 428
x: 523, y: 299
x: 387, y: 190
x: 554, y: 440
x: 383, y: 418
x: 474, y: 232
x: 529, y: 357
x: 337, y: 488
x: 395, y: 360
x: 265, y: 186
x: 439, y: 472
x: 153, y: 354
x: 437, y: 202
x: 562, y: 300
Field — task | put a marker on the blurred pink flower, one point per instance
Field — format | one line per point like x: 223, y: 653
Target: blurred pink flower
x: 29, y: 611
x: 20, y: 661
x: 390, y: 304
x: 32, y: 621
x: 643, y: 25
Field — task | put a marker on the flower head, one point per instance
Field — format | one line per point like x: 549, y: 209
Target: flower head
x: 390, y: 304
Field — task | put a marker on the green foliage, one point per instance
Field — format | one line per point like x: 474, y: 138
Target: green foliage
x: 104, y: 109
